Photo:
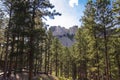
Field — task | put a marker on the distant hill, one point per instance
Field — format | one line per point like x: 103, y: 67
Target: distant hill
x: 66, y: 36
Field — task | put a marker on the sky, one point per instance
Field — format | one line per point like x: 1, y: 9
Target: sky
x: 71, y: 11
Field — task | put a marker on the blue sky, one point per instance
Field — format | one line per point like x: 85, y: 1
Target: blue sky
x: 71, y: 11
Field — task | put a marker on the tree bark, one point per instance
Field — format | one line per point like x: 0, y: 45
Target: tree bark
x: 7, y: 45
x: 106, y: 55
x: 74, y: 71
x: 31, y: 53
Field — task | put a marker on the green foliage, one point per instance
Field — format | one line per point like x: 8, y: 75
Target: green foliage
x: 29, y: 45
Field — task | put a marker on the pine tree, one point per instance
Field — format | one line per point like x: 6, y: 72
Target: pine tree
x: 81, y: 52
x: 21, y: 29
x: 104, y: 18
x: 55, y: 52
x: 116, y: 5
x: 91, y: 31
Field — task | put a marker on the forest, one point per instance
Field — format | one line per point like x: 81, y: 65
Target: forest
x: 28, y: 48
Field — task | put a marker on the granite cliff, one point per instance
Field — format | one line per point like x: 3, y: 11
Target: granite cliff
x: 66, y: 36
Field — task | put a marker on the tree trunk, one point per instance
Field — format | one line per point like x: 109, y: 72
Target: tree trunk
x: 61, y: 69
x: 7, y: 45
x: 46, y: 56
x: 22, y: 53
x: 74, y: 71
x: 48, y: 68
x: 41, y: 49
x: 31, y: 53
x: 106, y: 55
x: 56, y: 65
x: 11, y: 57
x: 97, y: 54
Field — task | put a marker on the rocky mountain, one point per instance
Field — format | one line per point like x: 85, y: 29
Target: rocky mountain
x: 66, y: 36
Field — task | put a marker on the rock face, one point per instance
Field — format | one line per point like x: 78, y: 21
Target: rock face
x: 66, y: 36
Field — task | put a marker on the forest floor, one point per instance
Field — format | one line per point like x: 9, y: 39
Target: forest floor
x: 24, y: 76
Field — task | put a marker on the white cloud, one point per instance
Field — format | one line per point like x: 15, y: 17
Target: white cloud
x: 64, y: 21
x: 70, y: 16
x: 72, y: 3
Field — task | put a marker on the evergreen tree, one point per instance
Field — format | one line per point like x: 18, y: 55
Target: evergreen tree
x: 116, y: 5
x: 91, y: 31
x: 22, y: 25
x: 104, y: 17
x: 81, y: 51
x: 55, y: 52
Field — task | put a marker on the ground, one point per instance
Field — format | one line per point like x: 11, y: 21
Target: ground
x: 25, y: 77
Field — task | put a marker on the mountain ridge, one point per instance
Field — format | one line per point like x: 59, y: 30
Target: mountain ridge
x: 65, y: 36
